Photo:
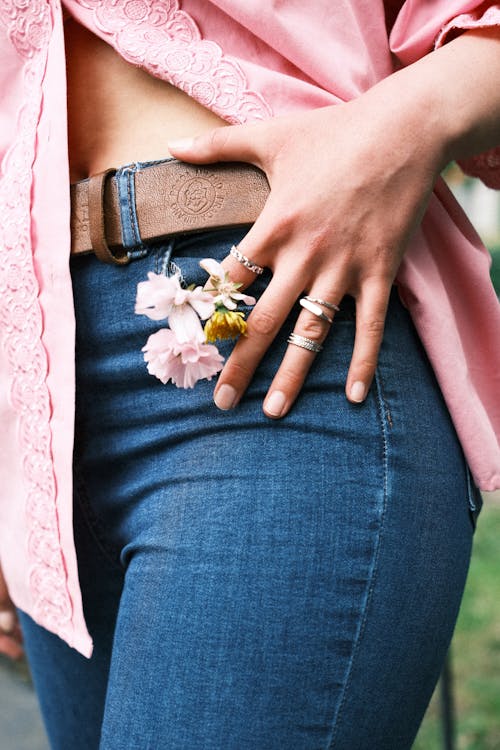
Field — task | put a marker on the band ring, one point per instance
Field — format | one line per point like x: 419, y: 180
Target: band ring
x: 246, y: 261
x: 304, y: 343
x: 315, y: 309
x: 329, y: 305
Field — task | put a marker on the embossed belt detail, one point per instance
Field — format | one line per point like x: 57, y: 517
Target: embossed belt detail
x: 171, y: 198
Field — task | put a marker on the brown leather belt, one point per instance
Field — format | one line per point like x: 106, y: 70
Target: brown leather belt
x: 171, y: 198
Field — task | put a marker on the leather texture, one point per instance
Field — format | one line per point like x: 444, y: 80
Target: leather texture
x: 171, y: 198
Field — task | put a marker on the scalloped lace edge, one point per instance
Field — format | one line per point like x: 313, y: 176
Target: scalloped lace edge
x: 166, y: 41
x: 29, y: 30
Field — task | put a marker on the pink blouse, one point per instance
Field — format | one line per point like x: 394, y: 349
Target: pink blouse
x: 245, y: 61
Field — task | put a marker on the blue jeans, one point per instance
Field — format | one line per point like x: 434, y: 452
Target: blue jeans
x: 253, y: 584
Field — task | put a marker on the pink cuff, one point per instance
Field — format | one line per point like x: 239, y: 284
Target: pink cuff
x: 486, y: 166
x: 484, y: 17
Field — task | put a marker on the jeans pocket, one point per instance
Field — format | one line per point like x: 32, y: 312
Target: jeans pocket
x: 474, y: 498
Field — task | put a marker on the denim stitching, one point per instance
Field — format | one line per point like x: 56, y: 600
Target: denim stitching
x: 130, y: 175
x: 373, y: 574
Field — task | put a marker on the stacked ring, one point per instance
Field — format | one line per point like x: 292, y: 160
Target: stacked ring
x: 329, y: 305
x: 304, y: 343
x: 246, y: 261
x: 315, y: 309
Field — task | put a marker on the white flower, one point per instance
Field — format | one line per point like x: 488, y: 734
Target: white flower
x: 228, y: 295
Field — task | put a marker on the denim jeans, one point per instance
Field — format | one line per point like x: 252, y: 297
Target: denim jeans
x: 253, y: 584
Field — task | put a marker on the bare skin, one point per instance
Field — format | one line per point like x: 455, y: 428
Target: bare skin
x: 118, y: 113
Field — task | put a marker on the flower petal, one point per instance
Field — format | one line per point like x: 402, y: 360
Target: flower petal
x: 213, y: 268
x: 186, y: 324
x: 246, y: 298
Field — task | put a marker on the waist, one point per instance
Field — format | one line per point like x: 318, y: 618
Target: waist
x: 115, y: 213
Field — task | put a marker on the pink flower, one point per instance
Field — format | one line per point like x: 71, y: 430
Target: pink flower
x: 163, y: 297
x: 182, y: 362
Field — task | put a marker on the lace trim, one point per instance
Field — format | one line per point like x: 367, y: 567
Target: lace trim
x: 166, y: 42
x: 28, y: 25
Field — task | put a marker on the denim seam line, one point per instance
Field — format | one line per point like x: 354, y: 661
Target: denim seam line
x: 381, y: 406
x: 112, y: 555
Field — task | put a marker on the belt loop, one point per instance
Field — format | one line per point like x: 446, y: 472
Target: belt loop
x: 131, y: 237
x: 97, y: 223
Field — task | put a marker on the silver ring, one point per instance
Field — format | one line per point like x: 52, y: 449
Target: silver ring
x: 315, y: 309
x: 323, y: 302
x: 304, y: 342
x: 246, y: 261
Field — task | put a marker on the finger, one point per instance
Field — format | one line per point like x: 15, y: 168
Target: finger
x: 258, y: 246
x: 263, y: 324
x: 230, y: 143
x: 10, y: 635
x: 371, y: 309
x: 8, y: 621
x: 10, y: 647
x: 297, y: 361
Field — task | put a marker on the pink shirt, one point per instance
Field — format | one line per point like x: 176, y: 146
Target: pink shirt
x: 245, y: 61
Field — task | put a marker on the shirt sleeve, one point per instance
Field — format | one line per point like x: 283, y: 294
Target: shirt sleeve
x: 422, y: 26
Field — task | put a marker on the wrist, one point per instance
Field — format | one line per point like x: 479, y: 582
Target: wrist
x: 452, y: 96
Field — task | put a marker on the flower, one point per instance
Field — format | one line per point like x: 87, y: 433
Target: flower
x: 163, y: 297
x: 180, y: 353
x: 182, y: 362
x: 228, y: 295
x: 225, y: 324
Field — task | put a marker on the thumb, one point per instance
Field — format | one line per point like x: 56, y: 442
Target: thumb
x: 231, y: 143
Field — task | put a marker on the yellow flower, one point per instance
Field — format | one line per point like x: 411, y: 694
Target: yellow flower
x: 225, y: 324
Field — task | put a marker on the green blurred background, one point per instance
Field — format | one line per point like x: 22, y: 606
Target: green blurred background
x: 475, y: 651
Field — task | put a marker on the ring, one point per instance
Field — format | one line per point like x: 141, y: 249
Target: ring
x: 304, y: 342
x: 323, y: 302
x: 315, y: 309
x: 246, y: 261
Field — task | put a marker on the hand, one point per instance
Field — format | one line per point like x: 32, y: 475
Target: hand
x: 349, y: 184
x: 10, y: 631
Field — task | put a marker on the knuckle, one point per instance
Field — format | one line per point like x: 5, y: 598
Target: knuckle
x: 290, y: 380
x: 373, y: 327
x: 238, y: 372
x: 367, y: 364
x: 261, y: 322
x: 283, y: 223
x: 312, y: 328
x: 218, y: 138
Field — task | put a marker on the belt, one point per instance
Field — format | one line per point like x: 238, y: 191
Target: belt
x: 171, y: 198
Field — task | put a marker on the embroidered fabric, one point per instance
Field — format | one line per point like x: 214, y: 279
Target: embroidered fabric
x: 29, y: 29
x: 28, y: 24
x: 166, y: 42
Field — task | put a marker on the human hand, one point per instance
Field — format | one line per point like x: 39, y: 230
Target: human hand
x: 349, y: 184
x: 10, y: 631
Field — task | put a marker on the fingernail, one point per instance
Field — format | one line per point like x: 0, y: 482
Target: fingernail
x: 358, y: 391
x: 180, y: 144
x: 226, y: 397
x: 275, y: 403
x: 7, y: 622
